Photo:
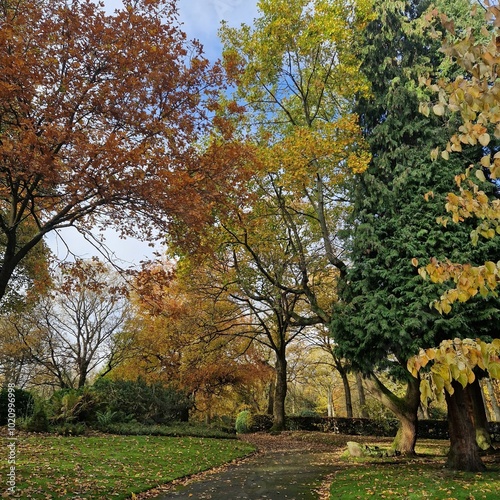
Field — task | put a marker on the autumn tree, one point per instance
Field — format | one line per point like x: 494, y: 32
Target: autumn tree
x: 385, y: 315
x: 296, y: 75
x: 173, y: 339
x: 16, y: 365
x: 100, y: 120
x: 71, y: 332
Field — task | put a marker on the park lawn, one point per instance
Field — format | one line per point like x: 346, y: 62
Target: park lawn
x: 109, y: 466
x: 424, y: 476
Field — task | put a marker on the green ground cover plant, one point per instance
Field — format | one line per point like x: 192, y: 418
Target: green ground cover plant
x: 111, y: 466
x: 424, y: 476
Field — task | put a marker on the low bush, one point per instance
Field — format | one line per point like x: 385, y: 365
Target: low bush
x: 71, y: 406
x: 104, y: 419
x: 224, y: 424
x: 243, y: 423
x: 24, y: 404
x: 261, y: 422
x: 38, y: 422
x: 145, y: 403
x: 70, y: 429
x: 437, y: 429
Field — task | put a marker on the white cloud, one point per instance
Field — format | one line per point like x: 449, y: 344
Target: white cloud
x: 201, y: 19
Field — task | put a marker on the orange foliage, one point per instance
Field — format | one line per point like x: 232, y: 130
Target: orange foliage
x: 174, y: 340
x: 100, y: 122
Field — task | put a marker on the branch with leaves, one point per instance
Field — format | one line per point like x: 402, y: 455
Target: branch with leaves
x: 474, y: 96
x: 454, y: 360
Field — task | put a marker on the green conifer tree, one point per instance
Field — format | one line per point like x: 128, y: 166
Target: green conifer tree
x: 384, y: 315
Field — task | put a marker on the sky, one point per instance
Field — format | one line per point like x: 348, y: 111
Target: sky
x: 200, y: 20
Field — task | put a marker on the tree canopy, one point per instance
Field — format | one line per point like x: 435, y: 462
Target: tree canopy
x: 100, y: 123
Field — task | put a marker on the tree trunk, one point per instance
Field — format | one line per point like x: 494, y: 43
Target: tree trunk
x: 405, y: 409
x: 480, y: 420
x: 495, y: 409
x: 347, y: 392
x: 331, y: 408
x: 406, y: 437
x: 270, y: 399
x: 423, y: 412
x: 361, y: 394
x: 464, y: 452
x: 280, y: 393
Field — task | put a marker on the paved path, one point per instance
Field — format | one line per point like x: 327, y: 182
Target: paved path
x: 283, y: 470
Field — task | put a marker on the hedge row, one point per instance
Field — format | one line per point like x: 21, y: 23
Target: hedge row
x: 431, y: 429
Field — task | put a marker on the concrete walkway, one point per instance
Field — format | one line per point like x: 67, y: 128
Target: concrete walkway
x: 290, y: 471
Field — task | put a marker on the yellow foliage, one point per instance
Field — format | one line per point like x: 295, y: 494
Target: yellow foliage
x: 454, y: 360
x: 336, y: 149
x: 477, y: 99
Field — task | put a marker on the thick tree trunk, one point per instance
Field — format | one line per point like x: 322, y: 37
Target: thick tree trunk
x: 280, y: 393
x: 406, y: 437
x: 362, y: 397
x: 405, y: 409
x: 480, y: 420
x: 347, y: 392
x: 464, y: 452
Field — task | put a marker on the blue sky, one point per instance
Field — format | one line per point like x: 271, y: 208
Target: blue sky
x: 201, y: 20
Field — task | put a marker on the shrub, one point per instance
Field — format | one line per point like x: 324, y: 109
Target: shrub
x: 224, y: 424
x: 261, y: 422
x: 181, y: 429
x: 25, y: 404
x: 145, y: 403
x: 243, y: 423
x: 72, y: 405
x: 38, y: 422
x: 106, y: 418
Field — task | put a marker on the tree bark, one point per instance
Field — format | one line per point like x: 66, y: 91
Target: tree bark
x: 464, y: 452
x: 423, y: 412
x: 405, y: 409
x: 330, y: 408
x: 280, y: 393
x: 347, y: 392
x: 362, y: 397
x: 480, y: 420
x: 270, y: 399
x: 495, y: 409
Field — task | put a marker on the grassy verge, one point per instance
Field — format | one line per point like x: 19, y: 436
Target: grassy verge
x: 110, y: 466
x: 414, y: 478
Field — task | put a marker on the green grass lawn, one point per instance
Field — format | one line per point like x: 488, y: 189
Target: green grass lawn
x: 110, y: 466
x: 414, y: 478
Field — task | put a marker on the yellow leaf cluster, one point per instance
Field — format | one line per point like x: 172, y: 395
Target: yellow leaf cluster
x: 476, y: 98
x: 469, y: 281
x: 337, y: 148
x: 454, y: 360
